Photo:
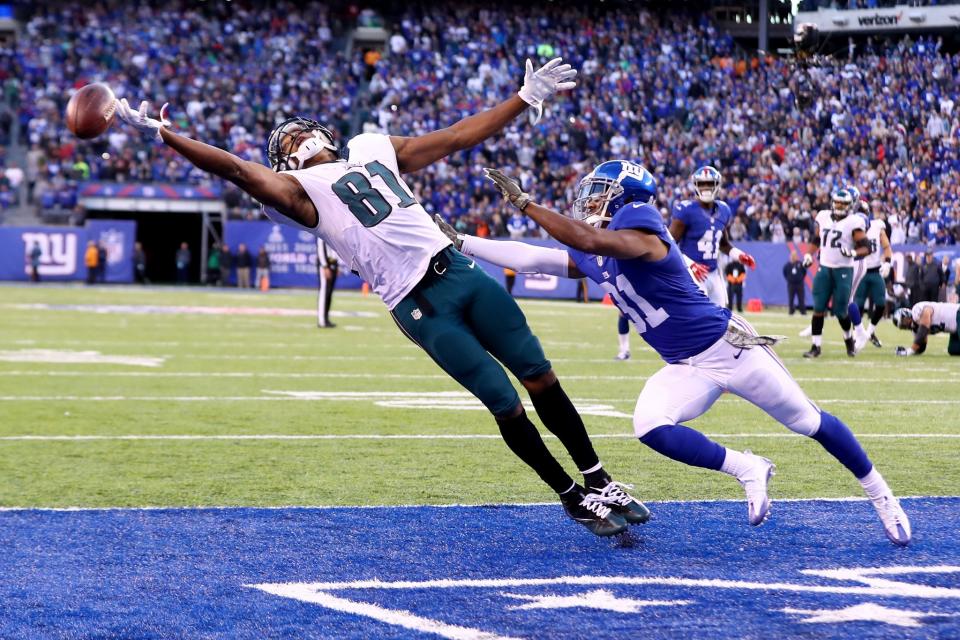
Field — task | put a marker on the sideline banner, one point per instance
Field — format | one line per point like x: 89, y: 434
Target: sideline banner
x: 62, y: 249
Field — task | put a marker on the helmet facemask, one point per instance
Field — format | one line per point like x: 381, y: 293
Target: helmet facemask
x: 293, y: 142
x: 706, y: 184
x: 841, y: 205
x: 593, y: 200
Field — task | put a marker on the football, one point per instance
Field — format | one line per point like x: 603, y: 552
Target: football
x: 90, y: 110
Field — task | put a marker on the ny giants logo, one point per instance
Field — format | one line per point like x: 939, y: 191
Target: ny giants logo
x: 58, y: 255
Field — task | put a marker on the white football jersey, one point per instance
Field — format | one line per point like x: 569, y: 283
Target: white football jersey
x: 835, y: 234
x: 875, y: 257
x: 944, y: 316
x: 370, y: 218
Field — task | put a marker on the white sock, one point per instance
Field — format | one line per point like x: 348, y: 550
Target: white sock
x: 871, y: 328
x: 874, y: 485
x: 817, y: 340
x: 595, y: 467
x: 736, y: 463
x: 624, y: 339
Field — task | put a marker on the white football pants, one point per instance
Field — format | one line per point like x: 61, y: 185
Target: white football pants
x: 684, y: 391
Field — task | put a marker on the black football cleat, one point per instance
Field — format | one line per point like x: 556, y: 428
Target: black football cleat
x: 590, y: 509
x: 875, y: 341
x: 621, y: 502
x: 851, y: 347
x: 813, y: 353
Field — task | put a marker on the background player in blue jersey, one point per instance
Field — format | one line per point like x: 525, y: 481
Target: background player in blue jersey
x: 699, y: 227
x: 620, y: 242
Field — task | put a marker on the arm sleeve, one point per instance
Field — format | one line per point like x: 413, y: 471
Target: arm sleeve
x: 518, y: 256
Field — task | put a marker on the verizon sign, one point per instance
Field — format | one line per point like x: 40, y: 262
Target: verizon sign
x: 873, y: 20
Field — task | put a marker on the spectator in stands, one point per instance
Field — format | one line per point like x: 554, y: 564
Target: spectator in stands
x: 736, y: 274
x: 795, y: 273
x: 931, y: 279
x: 91, y: 259
x: 139, y: 264
x: 244, y: 262
x: 263, y: 269
x: 183, y: 259
x: 226, y: 264
x: 34, y: 260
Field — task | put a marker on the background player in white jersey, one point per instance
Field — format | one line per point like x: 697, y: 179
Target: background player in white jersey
x: 925, y: 319
x: 839, y: 237
x: 459, y: 315
x: 620, y: 243
x: 869, y: 275
x: 699, y: 227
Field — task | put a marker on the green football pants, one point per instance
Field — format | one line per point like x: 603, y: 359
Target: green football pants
x: 832, y: 282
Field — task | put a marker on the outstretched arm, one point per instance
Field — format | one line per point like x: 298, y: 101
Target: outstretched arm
x: 282, y: 192
x: 622, y: 243
x: 416, y: 153
x: 736, y: 254
x: 279, y: 191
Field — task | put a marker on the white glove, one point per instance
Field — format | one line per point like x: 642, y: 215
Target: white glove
x: 904, y: 351
x: 847, y: 253
x: 885, y: 270
x: 139, y: 119
x: 807, y: 259
x: 544, y: 82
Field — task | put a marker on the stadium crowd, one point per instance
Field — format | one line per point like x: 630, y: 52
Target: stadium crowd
x: 669, y: 90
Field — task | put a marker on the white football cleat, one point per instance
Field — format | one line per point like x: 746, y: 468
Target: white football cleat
x: 806, y: 333
x: 895, y: 521
x: 623, y: 355
x: 754, y: 483
x: 860, y: 338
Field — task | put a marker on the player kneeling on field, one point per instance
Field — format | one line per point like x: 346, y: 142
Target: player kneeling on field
x: 928, y: 318
x: 619, y: 241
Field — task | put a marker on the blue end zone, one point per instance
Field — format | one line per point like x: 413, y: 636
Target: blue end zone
x: 697, y: 570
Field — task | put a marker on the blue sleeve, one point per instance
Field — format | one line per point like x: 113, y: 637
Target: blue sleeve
x: 679, y: 212
x: 638, y: 216
x: 726, y: 216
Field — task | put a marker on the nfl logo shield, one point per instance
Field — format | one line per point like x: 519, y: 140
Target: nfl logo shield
x: 417, y: 314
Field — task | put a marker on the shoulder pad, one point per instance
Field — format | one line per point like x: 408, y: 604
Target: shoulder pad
x: 638, y: 216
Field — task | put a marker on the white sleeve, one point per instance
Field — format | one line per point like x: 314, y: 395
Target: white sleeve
x: 368, y: 147
x: 519, y: 256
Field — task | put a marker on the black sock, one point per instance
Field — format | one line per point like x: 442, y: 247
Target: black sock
x: 560, y: 417
x: 876, y: 315
x: 817, y: 325
x: 845, y: 323
x: 525, y: 441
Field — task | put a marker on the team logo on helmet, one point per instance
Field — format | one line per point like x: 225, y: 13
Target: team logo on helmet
x: 296, y: 140
x: 841, y: 201
x: 706, y: 183
x: 607, y: 188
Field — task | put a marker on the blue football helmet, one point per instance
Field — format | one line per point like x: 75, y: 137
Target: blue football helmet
x: 607, y: 188
x: 706, y: 183
x: 855, y: 194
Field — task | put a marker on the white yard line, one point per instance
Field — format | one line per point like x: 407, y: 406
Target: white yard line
x: 377, y: 376
x: 313, y: 396
x: 433, y: 506
x: 414, y: 436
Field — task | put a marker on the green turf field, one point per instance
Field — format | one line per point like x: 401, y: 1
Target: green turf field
x: 222, y: 376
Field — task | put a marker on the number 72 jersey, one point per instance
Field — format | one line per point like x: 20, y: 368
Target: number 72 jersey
x: 370, y: 218
x: 835, y: 234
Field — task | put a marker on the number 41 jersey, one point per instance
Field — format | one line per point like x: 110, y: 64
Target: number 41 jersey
x: 701, y: 238
x: 661, y: 299
x: 369, y: 217
x: 835, y: 234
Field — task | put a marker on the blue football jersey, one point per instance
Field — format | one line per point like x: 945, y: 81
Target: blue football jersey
x: 701, y: 239
x: 661, y: 299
